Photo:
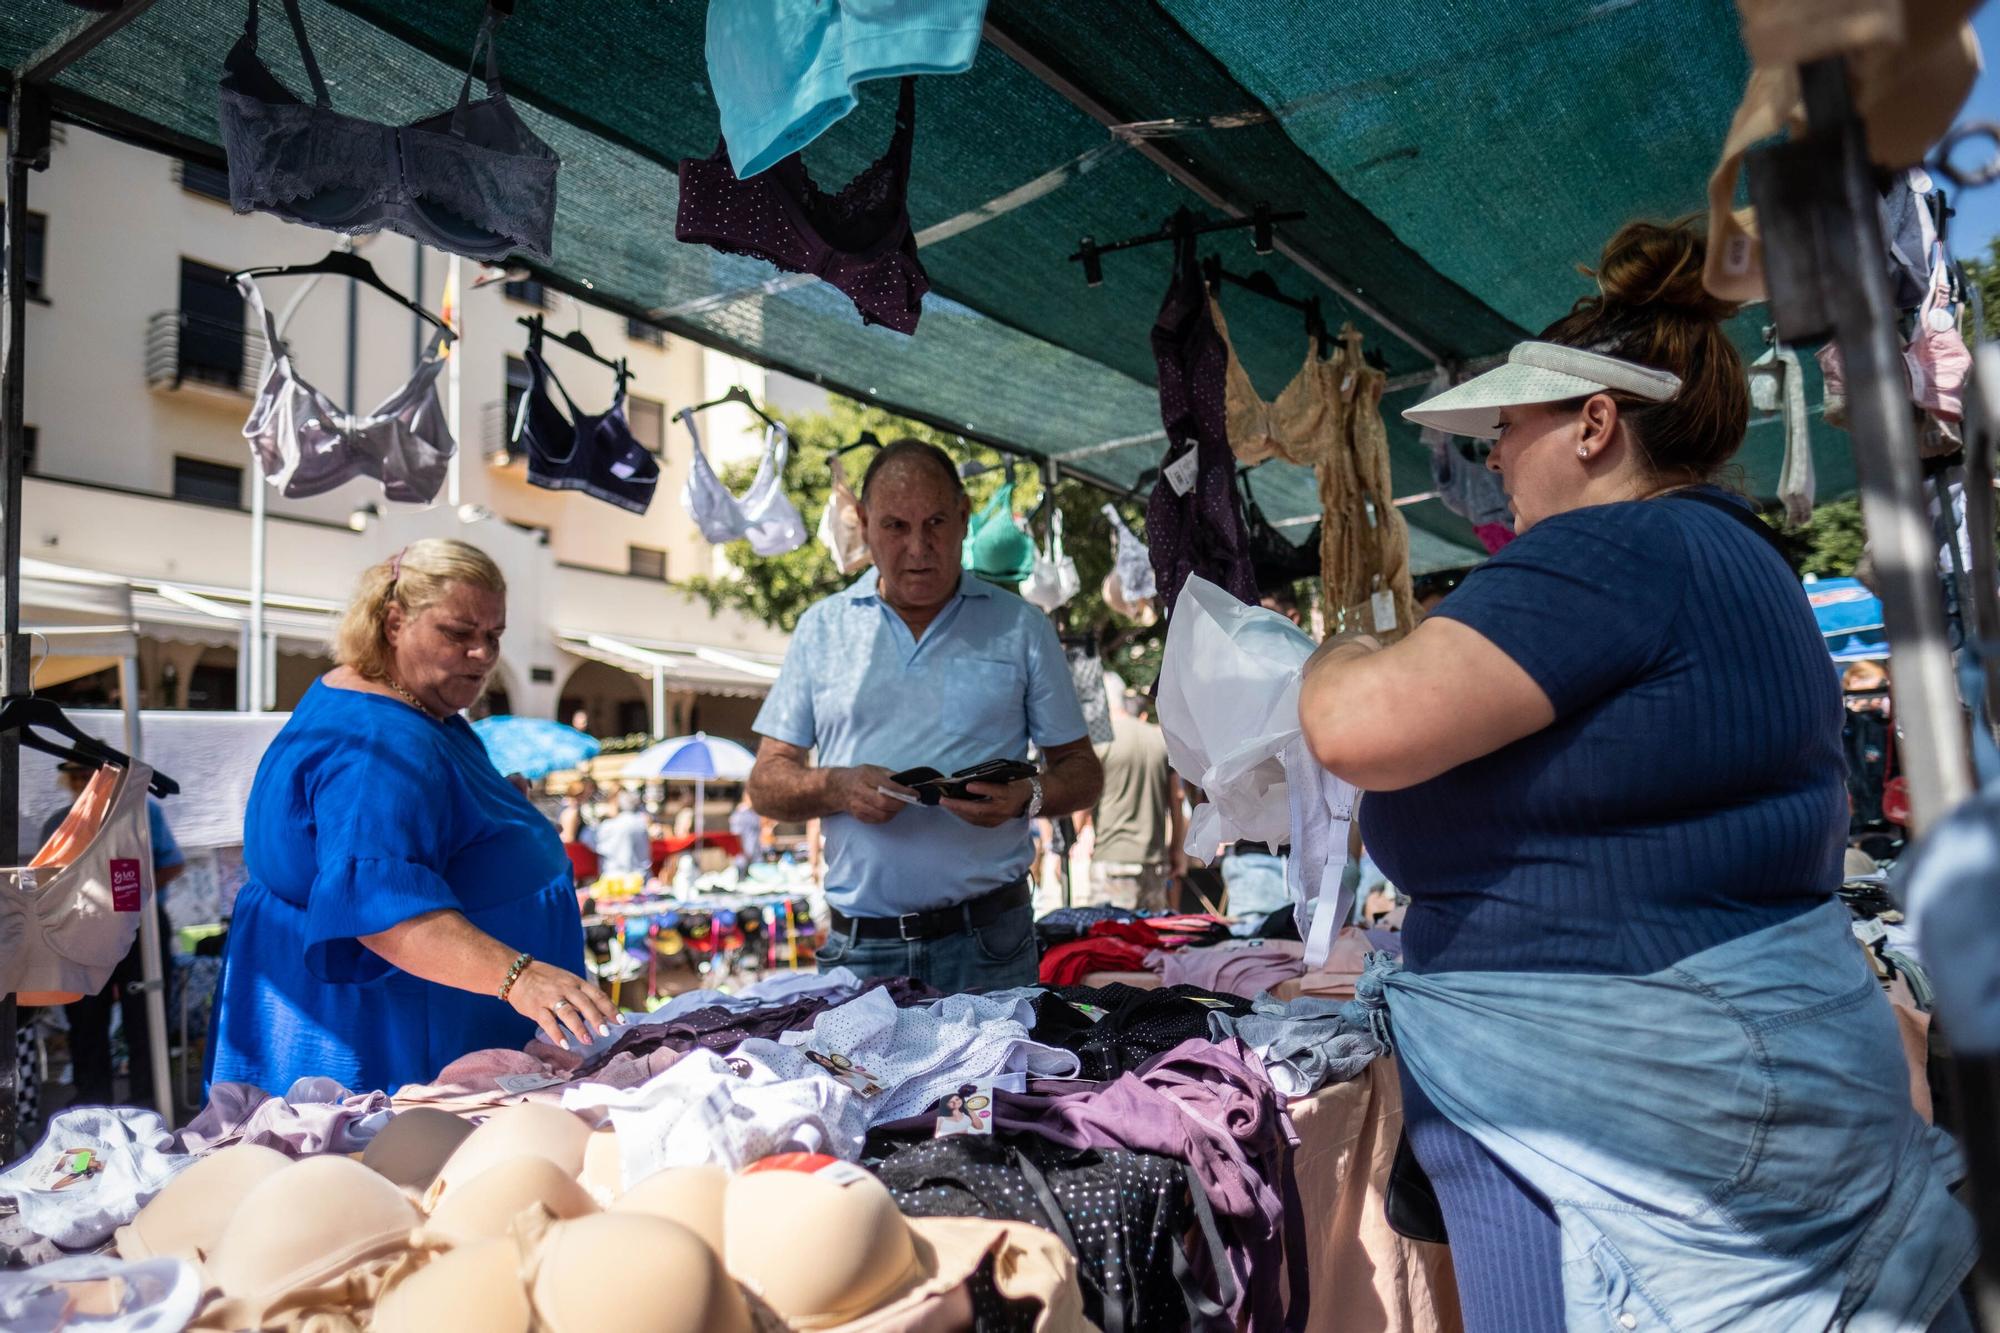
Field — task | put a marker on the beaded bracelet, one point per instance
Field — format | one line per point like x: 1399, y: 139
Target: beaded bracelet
x: 514, y: 973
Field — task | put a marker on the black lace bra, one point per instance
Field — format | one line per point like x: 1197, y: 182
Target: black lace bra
x: 474, y: 180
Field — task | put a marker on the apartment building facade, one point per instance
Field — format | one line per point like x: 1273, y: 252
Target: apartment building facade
x: 142, y: 362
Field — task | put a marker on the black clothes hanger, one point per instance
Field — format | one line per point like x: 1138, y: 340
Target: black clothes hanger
x: 736, y: 394
x: 1181, y: 225
x: 347, y: 264
x: 1264, y: 285
x: 27, y: 713
x: 576, y: 341
x: 866, y: 440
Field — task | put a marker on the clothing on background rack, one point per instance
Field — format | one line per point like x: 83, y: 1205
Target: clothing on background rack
x: 1279, y: 561
x: 68, y: 917
x: 1465, y: 485
x: 1129, y: 589
x: 592, y: 452
x: 1086, y: 669
x: 1298, y: 424
x: 1777, y: 384
x: 840, y: 526
x: 783, y: 72
x: 1364, y: 543
x: 305, y: 445
x: 1194, y: 520
x: 996, y: 548
x: 764, y: 515
x: 858, y: 239
x: 472, y: 181
x: 1052, y: 578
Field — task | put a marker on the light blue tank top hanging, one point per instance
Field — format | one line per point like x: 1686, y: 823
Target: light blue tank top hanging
x: 783, y: 71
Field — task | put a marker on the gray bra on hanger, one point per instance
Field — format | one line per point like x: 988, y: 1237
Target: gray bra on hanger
x: 304, y: 445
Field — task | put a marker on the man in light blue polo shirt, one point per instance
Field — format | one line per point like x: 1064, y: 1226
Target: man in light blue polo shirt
x: 922, y: 664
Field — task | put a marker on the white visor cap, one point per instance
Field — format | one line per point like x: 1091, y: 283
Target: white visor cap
x: 1537, y: 372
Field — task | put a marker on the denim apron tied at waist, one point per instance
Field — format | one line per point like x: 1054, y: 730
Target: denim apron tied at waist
x: 1727, y: 1144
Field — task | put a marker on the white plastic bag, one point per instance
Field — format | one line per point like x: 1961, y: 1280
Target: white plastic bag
x: 1229, y: 705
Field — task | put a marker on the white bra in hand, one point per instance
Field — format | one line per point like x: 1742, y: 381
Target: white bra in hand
x: 1052, y: 580
x: 763, y: 515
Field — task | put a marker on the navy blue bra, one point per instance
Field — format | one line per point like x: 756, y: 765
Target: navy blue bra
x: 592, y: 453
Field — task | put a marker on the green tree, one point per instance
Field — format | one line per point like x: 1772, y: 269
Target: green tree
x: 777, y: 589
x: 1983, y: 276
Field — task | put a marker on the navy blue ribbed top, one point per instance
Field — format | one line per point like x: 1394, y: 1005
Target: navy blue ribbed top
x: 1691, y: 788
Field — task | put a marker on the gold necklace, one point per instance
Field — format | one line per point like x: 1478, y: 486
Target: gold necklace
x: 411, y: 699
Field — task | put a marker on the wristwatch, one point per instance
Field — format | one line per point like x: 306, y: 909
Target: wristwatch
x: 1035, y: 799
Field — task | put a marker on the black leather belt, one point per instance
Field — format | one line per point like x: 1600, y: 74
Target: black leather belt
x: 938, y: 921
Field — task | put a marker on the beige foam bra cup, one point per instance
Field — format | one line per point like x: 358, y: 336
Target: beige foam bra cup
x: 477, y: 1286
x: 603, y: 1171
x: 636, y: 1274
x: 1296, y: 425
x: 187, y: 1218
x: 413, y: 1147
x: 303, y: 1225
x: 862, y: 1253
x: 487, y: 1205
x: 528, y: 1130
x: 690, y: 1195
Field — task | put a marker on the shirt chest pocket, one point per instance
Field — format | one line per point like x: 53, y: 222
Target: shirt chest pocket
x: 983, y: 698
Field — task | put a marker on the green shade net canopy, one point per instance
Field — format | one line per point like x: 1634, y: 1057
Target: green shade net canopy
x: 1455, y: 162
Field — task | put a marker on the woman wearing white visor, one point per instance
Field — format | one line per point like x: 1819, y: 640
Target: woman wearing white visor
x: 1650, y: 1075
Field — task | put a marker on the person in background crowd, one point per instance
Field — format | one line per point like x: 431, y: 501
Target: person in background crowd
x: 521, y: 783
x: 570, y: 823
x: 1137, y: 820
x: 748, y: 826
x: 921, y: 663
x: 405, y: 905
x: 1607, y: 771
x: 681, y: 817
x: 90, y: 1017
x: 625, y: 841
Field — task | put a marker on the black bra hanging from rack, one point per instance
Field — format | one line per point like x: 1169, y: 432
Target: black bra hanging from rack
x: 1276, y: 560
x: 576, y: 341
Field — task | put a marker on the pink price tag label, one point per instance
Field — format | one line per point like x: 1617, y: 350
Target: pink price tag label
x: 125, y: 888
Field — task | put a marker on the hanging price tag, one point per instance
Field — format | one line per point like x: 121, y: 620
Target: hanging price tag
x: 1180, y: 473
x: 1382, y: 606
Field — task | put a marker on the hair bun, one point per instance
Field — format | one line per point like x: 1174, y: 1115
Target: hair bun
x: 1658, y: 264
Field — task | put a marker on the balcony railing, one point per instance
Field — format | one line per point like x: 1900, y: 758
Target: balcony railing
x: 184, y: 350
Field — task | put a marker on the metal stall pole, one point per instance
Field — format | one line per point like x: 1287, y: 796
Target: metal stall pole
x: 27, y: 150
x: 1823, y: 248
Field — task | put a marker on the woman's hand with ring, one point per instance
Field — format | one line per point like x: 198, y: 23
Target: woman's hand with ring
x: 562, y: 1004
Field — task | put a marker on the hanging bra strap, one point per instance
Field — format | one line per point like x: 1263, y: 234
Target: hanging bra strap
x: 490, y: 42
x: 320, y: 95
x: 906, y: 123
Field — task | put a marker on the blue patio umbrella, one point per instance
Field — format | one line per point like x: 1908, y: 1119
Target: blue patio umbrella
x: 1850, y: 619
x: 700, y: 758
x: 534, y: 747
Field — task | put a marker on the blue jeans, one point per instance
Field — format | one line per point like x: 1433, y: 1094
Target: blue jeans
x: 1256, y: 883
x: 995, y: 956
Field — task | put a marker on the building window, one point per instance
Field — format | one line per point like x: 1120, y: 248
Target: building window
x: 211, y: 326
x: 198, y: 481
x: 208, y: 182
x: 36, y: 249
x: 648, y: 421
x: 645, y: 562
x: 528, y: 291
x: 639, y: 331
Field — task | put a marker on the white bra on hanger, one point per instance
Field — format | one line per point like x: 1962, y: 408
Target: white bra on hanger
x: 764, y: 514
x: 68, y: 918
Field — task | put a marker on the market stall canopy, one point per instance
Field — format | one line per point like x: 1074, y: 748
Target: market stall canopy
x: 77, y: 622
x: 1453, y: 164
x: 534, y: 747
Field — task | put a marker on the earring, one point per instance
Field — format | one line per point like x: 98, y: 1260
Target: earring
x: 1583, y: 451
